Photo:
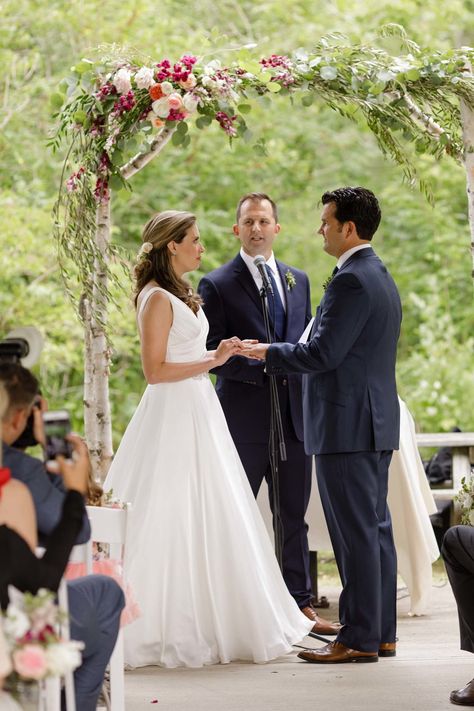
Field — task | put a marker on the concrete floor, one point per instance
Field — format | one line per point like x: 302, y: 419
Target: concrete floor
x: 427, y: 667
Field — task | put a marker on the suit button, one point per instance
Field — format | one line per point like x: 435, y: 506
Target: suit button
x: 284, y: 381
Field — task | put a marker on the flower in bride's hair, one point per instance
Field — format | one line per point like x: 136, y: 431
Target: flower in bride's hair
x: 146, y: 248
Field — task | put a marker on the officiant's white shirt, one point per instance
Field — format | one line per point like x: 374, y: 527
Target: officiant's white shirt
x: 271, y: 264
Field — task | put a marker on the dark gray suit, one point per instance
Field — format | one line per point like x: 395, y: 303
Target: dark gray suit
x: 95, y: 601
x: 352, y: 424
x: 458, y: 553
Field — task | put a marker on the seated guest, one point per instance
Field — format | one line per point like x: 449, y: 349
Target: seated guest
x: 458, y: 553
x: 95, y: 602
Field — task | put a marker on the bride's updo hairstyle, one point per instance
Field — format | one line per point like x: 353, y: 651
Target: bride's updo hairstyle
x: 154, y: 260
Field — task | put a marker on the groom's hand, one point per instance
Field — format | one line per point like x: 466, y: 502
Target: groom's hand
x: 257, y: 352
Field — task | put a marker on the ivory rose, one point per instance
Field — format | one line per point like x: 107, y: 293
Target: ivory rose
x: 122, y: 81
x: 144, y: 78
x: 161, y: 107
x: 190, y: 102
x: 166, y: 87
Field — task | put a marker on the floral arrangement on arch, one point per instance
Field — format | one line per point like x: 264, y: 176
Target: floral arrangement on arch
x: 465, y: 498
x: 37, y: 651
x: 109, y: 102
x: 128, y: 99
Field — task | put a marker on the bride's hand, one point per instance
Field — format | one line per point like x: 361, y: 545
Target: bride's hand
x: 229, y: 347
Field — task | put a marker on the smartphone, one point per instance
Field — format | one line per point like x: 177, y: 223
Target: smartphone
x: 57, y: 424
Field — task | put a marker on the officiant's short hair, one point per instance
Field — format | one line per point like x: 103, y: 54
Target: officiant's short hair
x: 256, y: 197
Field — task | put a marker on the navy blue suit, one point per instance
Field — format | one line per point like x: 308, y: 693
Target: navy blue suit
x: 233, y: 307
x: 352, y: 424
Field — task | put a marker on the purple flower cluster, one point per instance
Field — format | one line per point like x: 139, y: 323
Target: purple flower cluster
x: 180, y: 71
x: 105, y: 91
x: 175, y: 115
x: 125, y: 103
x: 276, y: 60
x: 226, y: 122
x: 71, y: 183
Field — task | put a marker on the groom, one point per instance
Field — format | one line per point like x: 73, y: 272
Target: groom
x: 352, y: 421
x: 233, y: 307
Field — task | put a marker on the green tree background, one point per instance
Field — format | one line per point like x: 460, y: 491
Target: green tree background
x: 295, y: 154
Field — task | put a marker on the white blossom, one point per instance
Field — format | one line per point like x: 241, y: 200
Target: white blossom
x: 328, y: 73
x: 144, y: 78
x: 15, y: 623
x: 122, y: 81
x: 63, y: 657
x: 190, y: 102
x: 167, y: 87
x: 161, y: 107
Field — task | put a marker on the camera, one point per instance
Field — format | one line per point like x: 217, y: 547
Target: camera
x: 57, y: 424
x: 22, y: 345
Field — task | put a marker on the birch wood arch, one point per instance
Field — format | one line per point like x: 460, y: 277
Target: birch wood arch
x: 114, y: 107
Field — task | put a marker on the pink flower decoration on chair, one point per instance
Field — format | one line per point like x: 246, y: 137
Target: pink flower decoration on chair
x: 30, y: 661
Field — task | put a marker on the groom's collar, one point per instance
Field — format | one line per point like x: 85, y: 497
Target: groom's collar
x: 344, y: 257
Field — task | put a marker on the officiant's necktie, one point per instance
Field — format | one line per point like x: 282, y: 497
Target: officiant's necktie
x: 277, y: 312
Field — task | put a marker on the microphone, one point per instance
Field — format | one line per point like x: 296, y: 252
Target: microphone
x: 260, y: 262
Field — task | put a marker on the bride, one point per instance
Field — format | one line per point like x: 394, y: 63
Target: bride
x: 197, y: 555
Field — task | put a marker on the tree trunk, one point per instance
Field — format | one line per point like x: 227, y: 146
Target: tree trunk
x: 467, y: 119
x: 97, y: 418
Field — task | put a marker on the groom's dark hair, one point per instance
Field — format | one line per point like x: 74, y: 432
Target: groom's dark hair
x: 257, y: 197
x: 357, y: 205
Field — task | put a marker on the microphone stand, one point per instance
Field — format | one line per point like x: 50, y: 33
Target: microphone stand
x: 277, y: 447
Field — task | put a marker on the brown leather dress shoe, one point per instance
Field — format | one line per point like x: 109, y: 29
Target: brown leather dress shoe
x: 337, y: 653
x: 464, y: 696
x: 321, y: 626
x: 388, y: 649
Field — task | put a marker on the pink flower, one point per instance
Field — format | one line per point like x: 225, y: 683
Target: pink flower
x: 154, y: 120
x: 175, y: 102
x: 30, y: 661
x: 190, y: 82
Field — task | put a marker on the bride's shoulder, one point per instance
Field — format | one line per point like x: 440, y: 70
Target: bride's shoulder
x: 152, y: 294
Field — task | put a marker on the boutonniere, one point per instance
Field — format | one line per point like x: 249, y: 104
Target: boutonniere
x: 328, y: 281
x: 290, y: 279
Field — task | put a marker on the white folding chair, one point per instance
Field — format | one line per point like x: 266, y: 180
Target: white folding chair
x: 108, y: 525
x: 51, y: 700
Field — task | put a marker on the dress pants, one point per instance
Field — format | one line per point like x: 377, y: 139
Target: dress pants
x: 458, y: 553
x: 95, y: 604
x: 294, y: 493
x: 353, y: 489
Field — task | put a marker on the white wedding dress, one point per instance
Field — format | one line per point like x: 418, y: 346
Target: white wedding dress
x: 198, y: 556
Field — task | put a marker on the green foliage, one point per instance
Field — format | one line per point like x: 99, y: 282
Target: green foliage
x: 295, y: 152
